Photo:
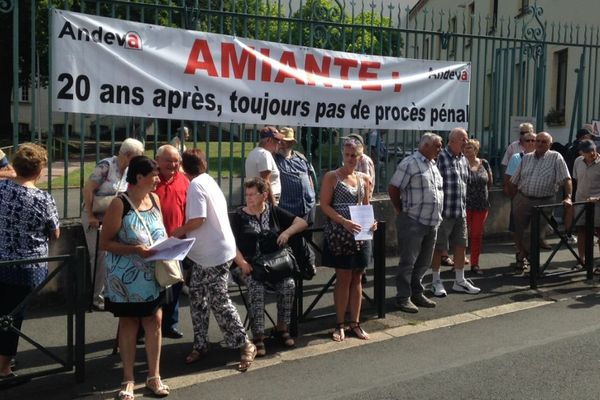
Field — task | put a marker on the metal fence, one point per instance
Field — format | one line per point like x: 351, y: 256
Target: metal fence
x: 513, y: 59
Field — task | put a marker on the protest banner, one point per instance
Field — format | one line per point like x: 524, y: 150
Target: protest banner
x: 108, y: 66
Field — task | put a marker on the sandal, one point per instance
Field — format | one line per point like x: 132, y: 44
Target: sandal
x: 248, y: 354
x: 286, y: 338
x: 476, y: 270
x: 447, y: 261
x: 125, y: 394
x: 196, y: 355
x: 261, y: 350
x: 159, y: 389
x: 358, y: 332
x: 338, y: 333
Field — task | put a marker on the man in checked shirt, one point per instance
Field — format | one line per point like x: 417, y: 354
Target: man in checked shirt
x: 416, y: 192
x: 536, y: 180
x: 454, y: 168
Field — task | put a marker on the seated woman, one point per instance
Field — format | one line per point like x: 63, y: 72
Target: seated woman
x: 132, y: 223
x: 28, y: 219
x: 248, y: 223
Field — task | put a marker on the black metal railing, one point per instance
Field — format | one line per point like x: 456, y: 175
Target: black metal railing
x: 378, y: 300
x: 76, y: 268
x: 541, y: 216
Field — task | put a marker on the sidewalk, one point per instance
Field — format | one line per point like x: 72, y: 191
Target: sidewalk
x: 500, y: 286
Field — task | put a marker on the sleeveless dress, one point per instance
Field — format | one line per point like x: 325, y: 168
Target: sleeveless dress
x: 131, y: 289
x: 340, y: 250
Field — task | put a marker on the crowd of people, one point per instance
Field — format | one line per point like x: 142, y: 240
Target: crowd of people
x: 440, y: 194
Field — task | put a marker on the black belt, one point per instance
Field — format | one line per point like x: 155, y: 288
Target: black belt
x: 535, y: 198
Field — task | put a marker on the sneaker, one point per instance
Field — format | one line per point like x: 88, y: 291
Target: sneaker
x: 421, y: 301
x: 406, y: 305
x: 437, y: 287
x: 465, y: 286
x: 571, y: 239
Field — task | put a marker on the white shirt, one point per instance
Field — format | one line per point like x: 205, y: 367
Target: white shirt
x: 259, y: 160
x: 215, y: 244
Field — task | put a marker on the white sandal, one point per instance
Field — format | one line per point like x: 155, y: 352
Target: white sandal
x: 125, y: 394
x: 159, y: 390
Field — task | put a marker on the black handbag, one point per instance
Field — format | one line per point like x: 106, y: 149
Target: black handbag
x: 274, y: 267
x: 272, y: 263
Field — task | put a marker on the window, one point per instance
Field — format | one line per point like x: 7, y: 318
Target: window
x: 494, y: 16
x: 561, y: 80
x: 523, y: 6
x: 24, y: 94
x: 470, y: 19
x: 452, y: 38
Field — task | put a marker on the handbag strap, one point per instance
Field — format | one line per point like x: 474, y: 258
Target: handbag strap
x: 139, y: 216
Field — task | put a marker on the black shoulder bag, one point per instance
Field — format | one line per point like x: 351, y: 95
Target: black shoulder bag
x: 272, y: 263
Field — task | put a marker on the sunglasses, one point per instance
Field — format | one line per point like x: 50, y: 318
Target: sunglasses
x: 541, y: 141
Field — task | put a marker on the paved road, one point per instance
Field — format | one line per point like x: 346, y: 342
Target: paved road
x: 547, y: 352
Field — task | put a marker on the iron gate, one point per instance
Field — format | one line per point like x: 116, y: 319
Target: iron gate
x: 512, y: 61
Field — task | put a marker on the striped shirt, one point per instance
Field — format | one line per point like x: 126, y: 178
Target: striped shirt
x: 421, y: 189
x: 540, y: 176
x: 297, y: 191
x: 455, y: 172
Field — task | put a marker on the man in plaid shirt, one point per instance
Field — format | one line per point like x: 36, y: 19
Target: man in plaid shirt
x: 416, y: 191
x: 454, y: 168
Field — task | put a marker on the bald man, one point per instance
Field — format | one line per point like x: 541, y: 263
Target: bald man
x: 452, y: 232
x: 536, y: 181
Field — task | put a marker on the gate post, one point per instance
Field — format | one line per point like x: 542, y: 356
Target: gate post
x: 81, y: 267
x: 379, y: 268
x: 534, y: 252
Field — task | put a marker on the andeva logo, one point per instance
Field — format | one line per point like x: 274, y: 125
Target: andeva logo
x: 130, y: 40
x: 460, y: 75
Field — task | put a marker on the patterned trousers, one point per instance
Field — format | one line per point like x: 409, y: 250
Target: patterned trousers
x: 208, y: 288
x: 285, y: 290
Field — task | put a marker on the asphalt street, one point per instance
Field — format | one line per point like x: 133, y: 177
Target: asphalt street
x: 547, y: 352
x: 507, y: 342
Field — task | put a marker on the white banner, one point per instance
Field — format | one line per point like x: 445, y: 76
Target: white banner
x: 114, y: 67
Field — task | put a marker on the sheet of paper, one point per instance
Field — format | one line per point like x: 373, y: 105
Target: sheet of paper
x: 171, y: 249
x: 364, y: 216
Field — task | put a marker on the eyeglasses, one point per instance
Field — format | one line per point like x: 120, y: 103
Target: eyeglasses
x: 529, y: 140
x: 541, y: 141
x: 524, y: 132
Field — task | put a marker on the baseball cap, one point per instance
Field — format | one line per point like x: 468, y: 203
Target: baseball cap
x: 586, y: 146
x: 270, y: 131
x: 3, y: 159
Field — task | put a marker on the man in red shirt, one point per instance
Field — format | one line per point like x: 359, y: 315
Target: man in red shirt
x: 172, y: 192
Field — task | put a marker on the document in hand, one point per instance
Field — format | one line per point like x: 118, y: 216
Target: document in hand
x: 171, y: 249
x: 364, y: 216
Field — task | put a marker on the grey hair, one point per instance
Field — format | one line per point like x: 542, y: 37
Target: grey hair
x: 165, y: 147
x: 456, y: 131
x: 429, y: 137
x: 526, y: 125
x: 131, y: 146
